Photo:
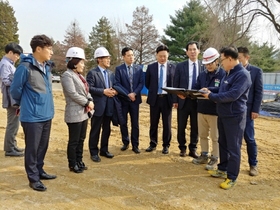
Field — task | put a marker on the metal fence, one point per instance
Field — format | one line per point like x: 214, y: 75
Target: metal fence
x: 271, y: 85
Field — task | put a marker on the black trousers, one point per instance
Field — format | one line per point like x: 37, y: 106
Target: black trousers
x: 188, y: 110
x: 77, y: 135
x: 36, y: 137
x: 161, y: 107
x: 96, y: 124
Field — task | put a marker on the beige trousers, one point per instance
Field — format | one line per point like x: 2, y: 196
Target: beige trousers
x: 208, y: 129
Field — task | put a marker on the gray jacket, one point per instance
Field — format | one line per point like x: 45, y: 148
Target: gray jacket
x: 7, y: 70
x: 76, y: 97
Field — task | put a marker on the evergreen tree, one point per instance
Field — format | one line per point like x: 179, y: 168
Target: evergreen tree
x: 189, y: 23
x: 8, y: 26
x: 142, y: 36
x: 264, y: 56
x: 104, y: 35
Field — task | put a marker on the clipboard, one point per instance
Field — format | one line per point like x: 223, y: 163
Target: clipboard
x: 184, y: 92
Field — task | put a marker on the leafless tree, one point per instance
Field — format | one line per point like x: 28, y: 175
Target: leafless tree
x: 234, y: 20
x: 74, y: 36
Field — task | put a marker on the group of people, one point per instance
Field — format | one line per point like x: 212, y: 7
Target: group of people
x: 225, y: 112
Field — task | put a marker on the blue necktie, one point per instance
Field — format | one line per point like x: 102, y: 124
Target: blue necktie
x: 130, y: 70
x: 160, y: 83
x: 194, y: 76
x: 106, y: 79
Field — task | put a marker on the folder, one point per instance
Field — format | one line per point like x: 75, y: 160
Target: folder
x: 185, y: 92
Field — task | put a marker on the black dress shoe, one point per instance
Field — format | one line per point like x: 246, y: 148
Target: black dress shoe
x: 124, y: 147
x: 183, y: 153
x: 76, y: 169
x: 95, y: 158
x: 81, y: 165
x: 39, y: 186
x: 150, y: 149
x: 165, y: 150
x: 136, y: 150
x: 193, y: 154
x: 47, y: 176
x: 106, y: 154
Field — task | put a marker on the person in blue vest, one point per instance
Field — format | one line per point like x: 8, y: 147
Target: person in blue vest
x: 253, y: 108
x: 206, y: 109
x: 231, y: 99
x: 32, y: 91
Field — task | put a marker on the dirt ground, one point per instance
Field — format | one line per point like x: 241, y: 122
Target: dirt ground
x: 139, y: 181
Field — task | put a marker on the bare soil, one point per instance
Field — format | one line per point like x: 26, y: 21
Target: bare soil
x: 139, y: 181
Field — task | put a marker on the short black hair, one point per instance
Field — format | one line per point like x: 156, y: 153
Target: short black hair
x: 14, y: 47
x: 243, y: 50
x: 230, y: 51
x: 40, y: 41
x: 73, y: 62
x: 191, y: 43
x: 126, y: 49
x: 162, y: 48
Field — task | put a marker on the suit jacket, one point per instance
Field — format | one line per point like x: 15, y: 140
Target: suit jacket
x: 181, y: 78
x: 151, y: 82
x: 102, y: 104
x: 122, y: 80
x: 256, y: 90
x: 76, y: 97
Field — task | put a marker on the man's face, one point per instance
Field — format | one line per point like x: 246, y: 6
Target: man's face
x: 211, y: 67
x: 225, y: 62
x: 13, y: 56
x: 162, y: 56
x: 128, y: 57
x: 104, y: 62
x: 192, y: 52
x: 45, y: 53
x: 243, y: 58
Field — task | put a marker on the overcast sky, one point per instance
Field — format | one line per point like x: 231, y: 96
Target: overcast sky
x: 53, y: 17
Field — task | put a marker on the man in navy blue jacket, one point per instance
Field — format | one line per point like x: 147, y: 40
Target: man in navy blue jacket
x: 206, y: 109
x: 130, y: 78
x: 253, y: 108
x: 231, y: 108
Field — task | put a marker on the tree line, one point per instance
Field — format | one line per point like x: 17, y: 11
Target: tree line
x: 212, y: 23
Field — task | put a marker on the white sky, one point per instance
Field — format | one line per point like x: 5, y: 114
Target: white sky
x: 53, y: 17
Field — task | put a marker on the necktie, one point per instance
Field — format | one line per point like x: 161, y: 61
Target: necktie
x: 106, y: 79
x: 194, y: 76
x: 130, y: 70
x: 160, y: 82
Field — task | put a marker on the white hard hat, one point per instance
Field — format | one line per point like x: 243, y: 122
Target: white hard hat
x: 101, y: 52
x: 75, y: 52
x: 210, y: 55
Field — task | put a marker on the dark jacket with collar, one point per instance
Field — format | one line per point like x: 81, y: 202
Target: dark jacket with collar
x: 256, y: 90
x: 151, y: 82
x: 181, y: 78
x: 233, y: 93
x: 208, y: 79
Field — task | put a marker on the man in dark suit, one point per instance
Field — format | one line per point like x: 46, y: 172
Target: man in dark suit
x: 160, y: 74
x: 253, y: 107
x: 185, y: 77
x: 130, y: 77
x: 100, y: 82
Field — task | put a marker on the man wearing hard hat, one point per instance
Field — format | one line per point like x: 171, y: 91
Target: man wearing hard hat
x: 206, y: 109
x: 100, y: 80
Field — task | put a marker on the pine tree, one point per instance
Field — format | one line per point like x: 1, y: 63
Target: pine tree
x: 104, y: 35
x: 8, y: 26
